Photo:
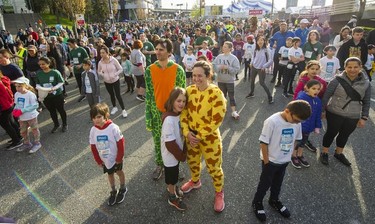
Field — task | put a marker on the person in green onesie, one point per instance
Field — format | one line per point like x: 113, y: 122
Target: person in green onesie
x: 160, y: 77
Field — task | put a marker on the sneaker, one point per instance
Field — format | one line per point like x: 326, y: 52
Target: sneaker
x: 114, y: 110
x: 250, y: 95
x: 144, y: 98
x: 310, y: 146
x: 303, y: 161
x: 296, y: 163
x: 278, y: 84
x: 14, y: 145
x: 54, y: 129
x: 219, y: 201
x: 276, y: 204
x: 176, y: 202
x: 81, y: 98
x: 270, y: 100
x: 235, y: 115
x: 64, y: 128
x: 190, y: 185
x: 140, y: 98
x: 157, y: 172
x: 324, y: 158
x: 35, y: 148
x: 121, y: 195
x: 285, y: 95
x: 124, y: 113
x: 341, y: 157
x: 112, y: 198
x: 259, y: 211
x: 24, y: 147
x: 179, y: 192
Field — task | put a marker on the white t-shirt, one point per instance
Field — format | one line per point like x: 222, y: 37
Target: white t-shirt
x: 106, y: 143
x: 249, y: 50
x: 189, y: 61
x: 182, y: 49
x: 297, y: 53
x: 280, y: 136
x: 170, y: 131
x: 24, y: 101
x: 370, y: 59
x: 328, y: 68
x: 284, y: 55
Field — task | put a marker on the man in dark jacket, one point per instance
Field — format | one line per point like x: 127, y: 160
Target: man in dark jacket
x: 356, y: 47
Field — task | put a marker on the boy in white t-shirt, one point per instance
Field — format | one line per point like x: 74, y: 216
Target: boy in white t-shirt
x: 277, y: 141
x: 283, y: 60
x: 329, y: 64
x: 189, y: 61
x: 108, y: 147
x: 249, y: 48
x: 369, y: 65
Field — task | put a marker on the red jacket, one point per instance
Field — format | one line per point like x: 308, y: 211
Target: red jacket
x: 208, y: 55
x: 302, y: 82
x: 6, y: 95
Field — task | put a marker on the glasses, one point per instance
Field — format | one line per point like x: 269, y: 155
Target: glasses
x: 294, y: 120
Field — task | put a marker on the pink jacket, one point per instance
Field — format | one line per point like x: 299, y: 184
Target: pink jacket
x: 110, y: 71
x: 302, y: 82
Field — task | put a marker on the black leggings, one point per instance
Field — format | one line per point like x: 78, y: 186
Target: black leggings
x: 56, y: 104
x: 9, y: 124
x: 112, y: 89
x: 338, y: 126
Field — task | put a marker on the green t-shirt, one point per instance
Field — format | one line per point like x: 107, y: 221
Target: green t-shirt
x: 50, y: 79
x: 76, y: 57
x: 148, y: 46
x: 311, y: 51
x: 200, y: 40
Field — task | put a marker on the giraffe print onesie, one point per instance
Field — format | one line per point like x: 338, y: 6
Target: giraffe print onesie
x: 203, y: 116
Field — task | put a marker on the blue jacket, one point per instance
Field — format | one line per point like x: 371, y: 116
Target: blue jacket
x: 280, y: 39
x: 302, y: 34
x: 315, y: 120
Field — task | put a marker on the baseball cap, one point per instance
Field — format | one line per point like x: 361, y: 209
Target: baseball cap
x: 251, y: 37
x: 22, y: 79
x: 304, y: 21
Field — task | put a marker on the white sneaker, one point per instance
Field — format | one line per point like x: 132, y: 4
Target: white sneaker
x: 24, y: 147
x: 114, y: 110
x: 124, y: 113
x: 235, y: 115
x: 35, y: 148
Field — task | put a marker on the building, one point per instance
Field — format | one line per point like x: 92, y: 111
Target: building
x: 291, y: 3
x: 135, y: 9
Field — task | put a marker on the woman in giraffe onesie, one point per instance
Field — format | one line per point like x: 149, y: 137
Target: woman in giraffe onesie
x: 200, y: 122
x: 160, y: 77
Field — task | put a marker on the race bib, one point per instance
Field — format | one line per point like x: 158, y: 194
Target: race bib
x: 308, y: 54
x: 76, y: 61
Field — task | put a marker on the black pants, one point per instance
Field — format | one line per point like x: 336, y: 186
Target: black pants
x: 289, y: 77
x: 275, y: 65
x: 247, y: 68
x: 10, y: 126
x: 272, y: 177
x: 78, y: 77
x: 368, y: 74
x: 56, y: 104
x: 282, y: 72
x: 112, y: 89
x: 130, y: 82
x: 262, y: 77
x: 339, y: 126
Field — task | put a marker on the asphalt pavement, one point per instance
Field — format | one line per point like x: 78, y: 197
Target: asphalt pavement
x: 61, y: 183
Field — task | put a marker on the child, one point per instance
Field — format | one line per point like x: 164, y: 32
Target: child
x: 312, y: 49
x: 172, y: 145
x: 260, y: 61
x: 249, y: 48
x: 277, y: 141
x: 90, y: 86
x: 329, y: 64
x: 26, y: 105
x: 127, y: 69
x: 370, y: 60
x: 205, y: 51
x: 312, y: 124
x: 311, y: 72
x: 283, y: 59
x: 108, y: 147
x: 296, y: 58
x: 238, y: 50
x: 216, y: 50
x: 189, y: 61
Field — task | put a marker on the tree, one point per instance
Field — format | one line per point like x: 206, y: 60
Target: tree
x: 70, y: 7
x: 196, y: 11
x: 37, y: 6
x: 100, y: 10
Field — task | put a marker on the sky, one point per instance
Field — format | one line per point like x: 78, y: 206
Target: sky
x: 279, y: 4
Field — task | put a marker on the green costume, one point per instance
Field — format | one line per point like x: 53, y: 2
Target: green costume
x: 159, y: 84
